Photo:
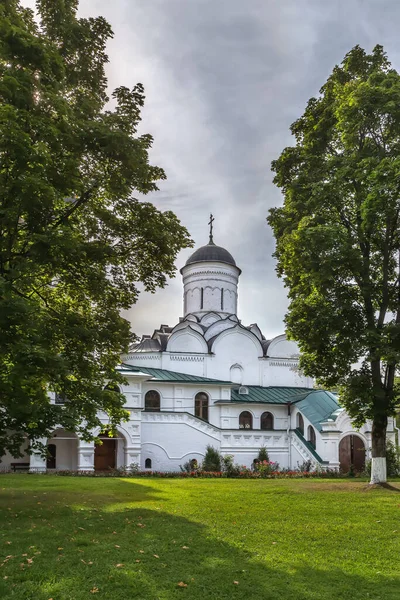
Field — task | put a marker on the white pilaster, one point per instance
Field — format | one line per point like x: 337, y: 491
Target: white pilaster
x: 85, y: 456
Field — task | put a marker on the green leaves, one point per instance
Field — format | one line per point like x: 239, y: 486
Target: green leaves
x: 74, y: 243
x: 337, y: 234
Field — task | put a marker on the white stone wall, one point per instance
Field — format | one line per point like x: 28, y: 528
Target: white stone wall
x: 211, y: 277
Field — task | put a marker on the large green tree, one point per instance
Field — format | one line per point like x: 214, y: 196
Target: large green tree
x: 338, y: 239
x: 74, y: 243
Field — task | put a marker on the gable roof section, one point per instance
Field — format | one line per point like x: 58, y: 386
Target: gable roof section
x: 173, y: 376
x: 318, y: 406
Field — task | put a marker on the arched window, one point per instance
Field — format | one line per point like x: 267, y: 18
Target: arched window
x: 311, y: 436
x: 112, y: 387
x: 51, y: 456
x: 300, y: 423
x: 201, y: 406
x: 147, y: 463
x: 152, y: 401
x: 267, y: 421
x: 245, y: 420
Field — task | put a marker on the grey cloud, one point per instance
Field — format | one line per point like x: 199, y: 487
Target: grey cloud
x: 224, y: 80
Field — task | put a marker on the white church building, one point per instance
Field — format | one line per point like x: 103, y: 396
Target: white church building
x: 210, y: 380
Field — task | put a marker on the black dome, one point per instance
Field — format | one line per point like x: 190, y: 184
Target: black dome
x: 211, y: 253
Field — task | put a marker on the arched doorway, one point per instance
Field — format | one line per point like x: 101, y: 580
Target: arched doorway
x: 105, y: 453
x: 352, y: 452
x: 51, y: 456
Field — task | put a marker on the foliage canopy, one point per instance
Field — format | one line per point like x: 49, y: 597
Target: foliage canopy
x: 338, y: 236
x: 74, y: 243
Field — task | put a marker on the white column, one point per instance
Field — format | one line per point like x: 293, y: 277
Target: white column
x: 37, y: 462
x: 85, y: 456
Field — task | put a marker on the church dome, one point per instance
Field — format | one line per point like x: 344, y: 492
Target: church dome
x: 211, y: 253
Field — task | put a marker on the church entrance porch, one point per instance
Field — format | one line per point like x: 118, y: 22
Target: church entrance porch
x: 352, y: 454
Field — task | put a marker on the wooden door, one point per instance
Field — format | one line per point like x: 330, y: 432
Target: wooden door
x: 104, y: 454
x: 358, y: 454
x: 352, y: 452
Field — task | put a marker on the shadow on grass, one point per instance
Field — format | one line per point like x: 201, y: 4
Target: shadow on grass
x: 139, y: 553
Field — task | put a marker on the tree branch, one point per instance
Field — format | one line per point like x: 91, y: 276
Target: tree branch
x: 85, y: 197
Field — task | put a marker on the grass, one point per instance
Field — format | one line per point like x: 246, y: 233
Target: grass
x: 120, y: 539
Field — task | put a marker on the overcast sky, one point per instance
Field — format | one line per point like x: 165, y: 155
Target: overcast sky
x: 224, y: 79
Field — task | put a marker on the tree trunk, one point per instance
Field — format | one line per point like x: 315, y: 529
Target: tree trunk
x: 378, y: 463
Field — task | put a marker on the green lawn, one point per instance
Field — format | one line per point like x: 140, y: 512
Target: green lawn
x: 119, y: 539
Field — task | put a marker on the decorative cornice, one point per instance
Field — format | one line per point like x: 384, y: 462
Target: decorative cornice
x: 186, y: 358
x: 137, y: 355
x: 200, y: 274
x: 284, y: 363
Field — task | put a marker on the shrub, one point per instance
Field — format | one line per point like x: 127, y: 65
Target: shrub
x: 212, y: 460
x: 229, y: 467
x: 392, y: 461
x: 305, y: 466
x: 133, y: 468
x: 267, y: 467
x: 189, y: 466
x: 263, y: 454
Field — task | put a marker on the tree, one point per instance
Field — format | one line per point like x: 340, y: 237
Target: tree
x: 338, y: 239
x: 74, y: 243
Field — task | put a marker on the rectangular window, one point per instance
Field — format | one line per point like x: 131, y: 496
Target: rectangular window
x: 222, y: 299
x: 59, y: 398
x: 201, y: 298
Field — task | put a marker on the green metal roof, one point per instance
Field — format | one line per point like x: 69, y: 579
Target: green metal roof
x: 165, y: 375
x: 269, y: 395
x: 318, y: 406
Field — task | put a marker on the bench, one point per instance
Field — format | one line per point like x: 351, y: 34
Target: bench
x: 19, y: 466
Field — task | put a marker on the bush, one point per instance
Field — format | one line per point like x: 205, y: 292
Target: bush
x: 267, y: 467
x: 229, y: 467
x: 305, y: 466
x: 392, y: 461
x: 189, y: 466
x: 263, y: 454
x: 212, y: 460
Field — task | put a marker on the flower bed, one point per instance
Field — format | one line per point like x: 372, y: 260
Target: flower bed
x: 242, y: 474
